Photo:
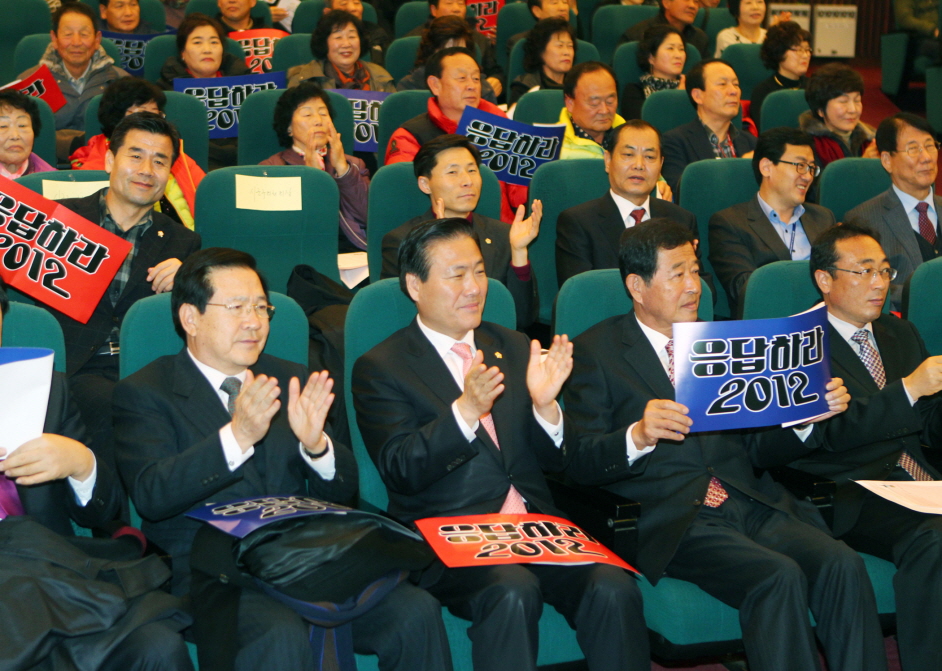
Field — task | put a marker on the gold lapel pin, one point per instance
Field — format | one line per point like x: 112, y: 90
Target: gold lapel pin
x: 498, y: 355
x: 160, y: 234
x: 487, y: 240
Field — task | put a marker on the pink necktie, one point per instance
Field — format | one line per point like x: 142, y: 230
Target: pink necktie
x: 10, y: 503
x: 514, y: 503
x: 926, y: 229
x: 716, y: 493
x: 637, y: 215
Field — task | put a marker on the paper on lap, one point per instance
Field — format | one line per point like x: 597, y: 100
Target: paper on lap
x: 25, y: 379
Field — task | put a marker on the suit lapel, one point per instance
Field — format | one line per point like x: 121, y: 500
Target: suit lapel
x: 813, y: 227
x: 890, y: 351
x: 700, y: 141
x: 896, y: 221
x: 643, y: 359
x: 489, y: 246
x: 845, y: 356
x: 763, y: 228
x: 503, y: 419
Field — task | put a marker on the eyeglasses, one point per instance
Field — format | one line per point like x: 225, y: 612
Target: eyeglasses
x: 238, y: 309
x: 914, y: 150
x: 871, y: 273
x: 803, y: 168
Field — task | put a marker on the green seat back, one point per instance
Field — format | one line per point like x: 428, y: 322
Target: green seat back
x: 20, y: 18
x: 211, y: 8
x: 893, y: 56
x: 782, y: 108
x: 291, y: 51
x: 400, y: 56
x: 595, y: 295
x: 611, y: 21
x: 257, y: 137
x: 559, y: 185
x: 410, y: 15
x: 934, y: 98
x: 513, y: 18
x: 309, y: 13
x: 278, y: 240
x: 31, y: 326
x: 867, y: 176
x: 587, y: 10
x: 395, y: 111
x: 44, y: 144
x: 162, y: 47
x: 625, y: 63
x: 717, y: 20
x: 666, y: 110
x: 540, y: 106
x: 924, y: 308
x: 748, y: 66
x: 185, y: 112
x: 585, y: 51
x: 35, y: 181
x: 395, y: 198
x: 31, y: 49
x: 708, y: 187
x: 152, y: 13
x: 147, y: 332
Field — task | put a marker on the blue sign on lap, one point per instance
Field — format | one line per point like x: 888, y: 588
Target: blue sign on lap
x: 223, y: 97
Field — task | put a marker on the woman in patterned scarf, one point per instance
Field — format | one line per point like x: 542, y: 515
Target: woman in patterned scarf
x: 662, y: 56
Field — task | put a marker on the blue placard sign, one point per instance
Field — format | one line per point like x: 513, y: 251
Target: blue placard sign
x: 132, y: 49
x: 242, y: 517
x: 366, y: 106
x: 512, y: 149
x: 751, y: 373
x: 223, y: 97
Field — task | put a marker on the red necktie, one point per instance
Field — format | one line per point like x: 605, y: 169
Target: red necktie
x: 10, y: 503
x: 926, y: 229
x: 514, y: 503
x: 637, y: 215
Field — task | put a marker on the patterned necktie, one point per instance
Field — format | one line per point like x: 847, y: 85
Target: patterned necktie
x: 871, y: 359
x: 514, y: 503
x: 716, y: 493
x: 637, y: 215
x: 926, y: 229
x: 231, y: 385
x: 10, y: 503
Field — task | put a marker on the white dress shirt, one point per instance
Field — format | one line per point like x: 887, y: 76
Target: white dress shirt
x: 626, y: 207
x: 791, y: 232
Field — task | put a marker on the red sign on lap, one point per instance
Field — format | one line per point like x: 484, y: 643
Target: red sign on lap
x: 482, y: 540
x: 53, y: 255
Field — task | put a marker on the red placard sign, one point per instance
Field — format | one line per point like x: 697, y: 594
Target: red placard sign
x: 52, y: 254
x: 480, y: 540
x: 484, y: 13
x: 41, y: 84
x: 258, y: 45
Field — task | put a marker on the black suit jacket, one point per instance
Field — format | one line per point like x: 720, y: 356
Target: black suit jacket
x: 616, y: 372
x: 166, y: 239
x: 403, y: 391
x: 588, y: 235
x: 494, y: 238
x: 53, y: 503
x: 865, y: 442
x: 742, y: 239
x: 167, y: 421
x: 689, y: 143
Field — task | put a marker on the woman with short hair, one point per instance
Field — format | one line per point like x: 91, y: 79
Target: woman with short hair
x: 548, y: 54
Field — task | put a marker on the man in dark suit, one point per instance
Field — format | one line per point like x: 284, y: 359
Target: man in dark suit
x: 143, y: 147
x: 706, y: 517
x: 894, y: 411
x: 906, y: 216
x: 776, y: 225
x: 460, y: 418
x: 713, y: 89
x: 221, y: 421
x: 448, y: 169
x: 587, y: 235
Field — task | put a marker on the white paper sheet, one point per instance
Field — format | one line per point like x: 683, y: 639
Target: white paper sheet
x: 923, y: 497
x: 270, y: 194
x: 25, y: 378
x: 53, y: 189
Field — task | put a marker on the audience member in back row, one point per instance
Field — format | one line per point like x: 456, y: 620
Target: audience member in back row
x: 905, y: 216
x: 590, y: 110
x: 776, y: 225
x: 236, y: 15
x: 448, y: 169
x: 143, y: 148
x: 337, y: 44
x: 124, y: 16
x: 454, y: 78
x: 835, y: 96
x: 749, y: 15
x: 680, y: 14
x: 787, y: 52
x: 19, y: 126
x: 442, y: 32
x: 661, y: 56
x: 541, y: 10
x: 127, y: 96
x: 201, y: 53
x: 713, y: 89
x: 376, y: 34
x: 304, y: 125
x: 81, y: 67
x: 548, y: 54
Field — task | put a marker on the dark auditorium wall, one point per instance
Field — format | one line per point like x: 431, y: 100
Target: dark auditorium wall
x: 874, y: 18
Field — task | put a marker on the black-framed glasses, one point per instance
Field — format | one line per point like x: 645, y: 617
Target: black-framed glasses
x: 871, y: 273
x: 914, y: 150
x: 245, y: 310
x: 803, y: 168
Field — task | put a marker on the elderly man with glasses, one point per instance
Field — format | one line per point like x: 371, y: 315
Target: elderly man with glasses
x: 776, y: 225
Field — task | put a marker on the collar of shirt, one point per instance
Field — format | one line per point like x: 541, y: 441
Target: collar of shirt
x: 78, y: 83
x: 724, y: 149
x: 320, y: 152
x: 847, y: 330
x: 18, y: 173
x: 443, y: 345
x: 909, y: 207
x: 108, y: 222
x: 579, y: 132
x: 215, y: 377
x: 792, y: 232
x: 626, y: 207
x: 658, y: 341
x: 773, y: 217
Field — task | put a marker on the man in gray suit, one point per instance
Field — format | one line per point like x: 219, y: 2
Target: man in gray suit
x: 907, y: 214
x: 776, y: 225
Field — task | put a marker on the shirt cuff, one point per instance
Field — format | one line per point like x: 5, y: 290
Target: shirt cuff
x: 469, y: 432
x: 803, y: 433
x: 523, y: 273
x: 84, y: 490
x: 554, y: 431
x: 631, y: 450
x: 909, y: 397
x: 325, y: 466
x: 230, y: 449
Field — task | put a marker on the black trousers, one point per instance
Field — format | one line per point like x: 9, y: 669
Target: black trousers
x: 773, y: 568
x: 913, y: 542
x: 405, y: 630
x: 152, y: 647
x: 504, y: 603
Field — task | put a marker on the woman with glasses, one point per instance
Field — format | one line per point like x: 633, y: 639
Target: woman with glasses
x: 787, y: 51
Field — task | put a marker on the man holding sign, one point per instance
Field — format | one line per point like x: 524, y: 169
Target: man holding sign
x: 460, y: 417
x: 706, y: 518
